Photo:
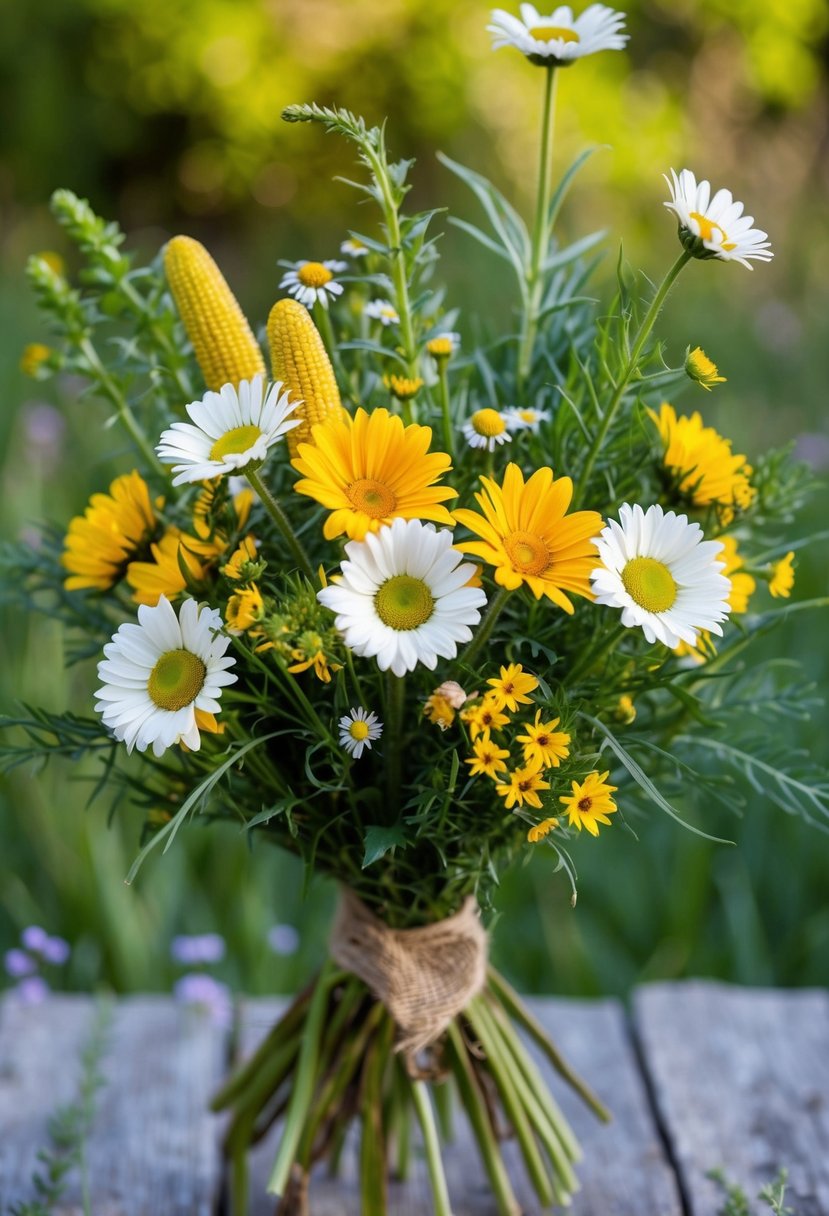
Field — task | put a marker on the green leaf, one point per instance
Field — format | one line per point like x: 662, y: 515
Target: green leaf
x: 560, y: 192
x: 380, y: 838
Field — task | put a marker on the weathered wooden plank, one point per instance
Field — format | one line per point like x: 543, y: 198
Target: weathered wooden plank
x: 741, y: 1081
x: 154, y: 1146
x: 625, y: 1171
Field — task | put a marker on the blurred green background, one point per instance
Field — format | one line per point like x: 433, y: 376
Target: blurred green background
x: 165, y: 114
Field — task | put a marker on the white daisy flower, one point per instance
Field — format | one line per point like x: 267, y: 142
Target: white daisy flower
x: 402, y: 597
x: 228, y: 432
x: 162, y: 678
x: 486, y: 429
x: 444, y: 344
x: 525, y: 420
x: 353, y: 248
x: 714, y: 227
x: 663, y: 574
x: 358, y: 729
x: 382, y: 311
x: 313, y: 282
x: 560, y: 38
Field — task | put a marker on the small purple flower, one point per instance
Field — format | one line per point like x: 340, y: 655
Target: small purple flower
x: 32, y: 991
x: 197, y: 949
x: 202, y: 990
x: 18, y: 963
x: 34, y: 938
x: 283, y: 939
x: 56, y: 951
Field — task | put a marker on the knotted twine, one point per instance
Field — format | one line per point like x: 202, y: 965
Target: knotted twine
x: 424, y: 976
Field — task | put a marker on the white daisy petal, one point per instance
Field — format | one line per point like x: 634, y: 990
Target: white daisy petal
x: 714, y: 227
x: 664, y: 576
x: 185, y: 671
x: 560, y: 38
x: 402, y: 599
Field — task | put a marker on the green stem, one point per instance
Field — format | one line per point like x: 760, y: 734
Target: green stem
x: 541, y: 232
x: 431, y: 1148
x: 396, y: 257
x: 607, y: 641
x: 446, y: 409
x: 395, y: 707
x: 628, y: 371
x: 304, y: 1085
x: 486, y: 627
x: 282, y: 522
x: 125, y: 415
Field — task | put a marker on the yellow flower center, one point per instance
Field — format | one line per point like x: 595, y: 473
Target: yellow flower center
x: 650, y: 583
x: 585, y: 805
x: 542, y: 739
x: 706, y: 229
x: 551, y: 33
x: 439, y: 348
x: 314, y: 274
x: 526, y: 785
x: 488, y: 422
x: 404, y: 602
x: 527, y: 552
x: 527, y: 415
x: 373, y: 498
x: 358, y: 730
x: 176, y: 680
x: 235, y: 441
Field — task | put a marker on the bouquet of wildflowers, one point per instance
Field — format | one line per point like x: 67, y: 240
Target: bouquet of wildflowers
x: 412, y: 608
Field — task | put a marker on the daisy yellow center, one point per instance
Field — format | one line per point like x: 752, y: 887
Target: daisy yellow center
x: 358, y: 730
x: 706, y: 229
x: 527, y: 415
x: 176, y: 680
x: 488, y: 422
x: 527, y: 552
x: 551, y: 33
x: 585, y: 805
x: 372, y: 497
x: 650, y: 583
x: 525, y: 785
x: 314, y: 274
x: 404, y: 602
x: 235, y: 441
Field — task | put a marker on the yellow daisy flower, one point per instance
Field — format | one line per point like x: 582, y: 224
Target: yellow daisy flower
x: 489, y: 759
x: 707, y: 471
x: 701, y: 369
x: 483, y: 718
x: 523, y: 787
x: 403, y: 387
x: 112, y: 529
x: 164, y: 575
x: 540, y: 830
x: 244, y: 609
x: 590, y: 803
x: 529, y: 538
x: 236, y: 567
x: 782, y: 576
x: 371, y: 470
x: 543, y: 744
x: 438, y: 710
x: 510, y: 689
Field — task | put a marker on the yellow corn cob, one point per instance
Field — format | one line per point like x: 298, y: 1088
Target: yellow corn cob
x: 299, y: 359
x: 225, y: 348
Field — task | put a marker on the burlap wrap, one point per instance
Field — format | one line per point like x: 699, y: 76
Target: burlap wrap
x: 424, y: 976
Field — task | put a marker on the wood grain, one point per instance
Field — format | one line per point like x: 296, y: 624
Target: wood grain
x: 741, y: 1081
x: 154, y: 1147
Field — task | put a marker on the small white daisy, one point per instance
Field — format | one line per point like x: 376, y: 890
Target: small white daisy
x: 560, y: 38
x: 525, y: 420
x: 663, y: 574
x: 486, y: 429
x: 444, y: 344
x: 382, y: 311
x: 357, y: 730
x: 403, y: 597
x: 229, y: 431
x: 313, y: 282
x: 353, y: 248
x: 162, y: 678
x: 714, y: 227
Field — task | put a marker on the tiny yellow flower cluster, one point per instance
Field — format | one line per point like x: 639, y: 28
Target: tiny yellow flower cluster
x: 298, y: 632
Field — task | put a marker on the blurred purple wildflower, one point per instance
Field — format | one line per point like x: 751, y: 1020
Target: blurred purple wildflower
x: 34, y: 938
x: 202, y: 990
x: 33, y: 990
x: 283, y: 939
x: 197, y: 949
x: 18, y: 963
x: 55, y: 950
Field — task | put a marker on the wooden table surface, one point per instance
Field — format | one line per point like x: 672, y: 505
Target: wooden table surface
x: 699, y: 1075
